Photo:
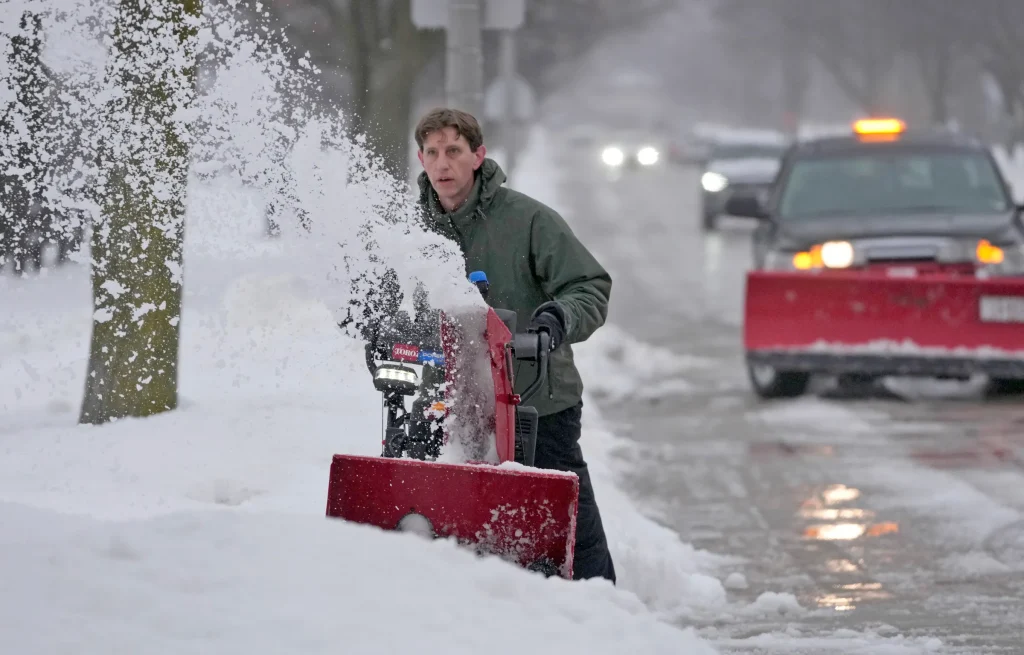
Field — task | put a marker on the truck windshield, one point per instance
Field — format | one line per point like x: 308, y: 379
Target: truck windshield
x: 892, y: 183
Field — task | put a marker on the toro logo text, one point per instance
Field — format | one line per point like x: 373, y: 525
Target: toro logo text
x: 403, y: 352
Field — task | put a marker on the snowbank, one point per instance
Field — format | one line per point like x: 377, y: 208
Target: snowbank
x: 202, y: 530
x: 616, y: 366
x: 242, y: 582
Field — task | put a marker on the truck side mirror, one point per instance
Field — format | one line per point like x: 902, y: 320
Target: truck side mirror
x: 746, y: 204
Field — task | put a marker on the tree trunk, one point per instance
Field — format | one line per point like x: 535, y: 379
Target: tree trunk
x: 391, y: 126
x: 796, y: 77
x: 935, y: 65
x: 363, y: 41
x: 395, y: 71
x: 137, y: 261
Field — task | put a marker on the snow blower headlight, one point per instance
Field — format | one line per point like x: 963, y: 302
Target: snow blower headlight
x: 395, y: 378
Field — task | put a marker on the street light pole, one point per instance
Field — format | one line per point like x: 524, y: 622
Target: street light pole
x: 508, y: 76
x: 464, y: 75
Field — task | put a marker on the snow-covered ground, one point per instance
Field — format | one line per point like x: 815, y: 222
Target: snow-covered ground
x: 202, y: 530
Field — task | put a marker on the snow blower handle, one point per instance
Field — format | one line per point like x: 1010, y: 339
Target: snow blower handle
x: 533, y: 346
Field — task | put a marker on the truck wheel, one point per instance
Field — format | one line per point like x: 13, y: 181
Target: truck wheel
x: 1002, y: 387
x: 769, y: 382
x: 857, y: 382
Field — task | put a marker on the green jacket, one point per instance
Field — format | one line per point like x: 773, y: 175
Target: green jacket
x: 531, y: 257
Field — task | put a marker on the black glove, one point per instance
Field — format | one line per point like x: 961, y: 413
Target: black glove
x: 550, y: 318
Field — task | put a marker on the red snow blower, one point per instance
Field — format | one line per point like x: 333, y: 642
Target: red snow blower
x: 490, y: 499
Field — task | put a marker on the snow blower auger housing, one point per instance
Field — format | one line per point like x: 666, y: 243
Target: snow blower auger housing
x: 504, y: 507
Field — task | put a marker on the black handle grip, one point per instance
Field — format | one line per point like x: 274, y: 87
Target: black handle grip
x: 543, y: 341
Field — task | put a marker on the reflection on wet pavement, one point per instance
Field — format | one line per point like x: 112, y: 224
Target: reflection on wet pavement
x: 842, y: 527
x: 835, y: 531
x: 848, y: 596
x: 849, y: 531
x: 840, y: 494
x: 841, y: 566
x: 836, y: 514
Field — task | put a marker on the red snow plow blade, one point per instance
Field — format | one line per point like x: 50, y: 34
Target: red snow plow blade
x: 519, y: 513
x: 872, y: 323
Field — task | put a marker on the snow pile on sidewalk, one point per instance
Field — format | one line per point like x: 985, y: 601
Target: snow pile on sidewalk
x: 616, y: 366
x: 245, y: 582
x: 220, y: 504
x: 202, y: 530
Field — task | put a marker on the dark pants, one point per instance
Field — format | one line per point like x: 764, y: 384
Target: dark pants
x: 558, y: 447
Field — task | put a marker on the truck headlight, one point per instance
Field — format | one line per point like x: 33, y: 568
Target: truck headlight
x: 837, y: 254
x: 831, y: 254
x: 713, y: 182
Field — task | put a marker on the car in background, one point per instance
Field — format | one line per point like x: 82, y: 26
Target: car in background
x: 736, y: 167
x: 632, y: 150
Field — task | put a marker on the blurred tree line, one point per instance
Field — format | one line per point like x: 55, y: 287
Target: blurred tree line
x: 952, y: 51
x: 375, y: 56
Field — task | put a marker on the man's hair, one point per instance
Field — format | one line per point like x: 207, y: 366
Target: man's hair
x: 464, y: 123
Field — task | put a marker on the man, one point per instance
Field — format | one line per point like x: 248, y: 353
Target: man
x: 535, y: 267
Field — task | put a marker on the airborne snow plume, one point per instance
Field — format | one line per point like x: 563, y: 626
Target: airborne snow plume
x: 257, y: 118
x: 256, y: 121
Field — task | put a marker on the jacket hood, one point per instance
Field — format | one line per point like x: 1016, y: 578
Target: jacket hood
x: 488, y: 180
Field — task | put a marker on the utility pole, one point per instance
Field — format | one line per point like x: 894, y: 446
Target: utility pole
x: 508, y: 76
x: 464, y: 74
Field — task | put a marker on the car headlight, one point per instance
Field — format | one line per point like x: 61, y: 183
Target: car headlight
x: 647, y: 156
x: 613, y: 156
x: 713, y: 182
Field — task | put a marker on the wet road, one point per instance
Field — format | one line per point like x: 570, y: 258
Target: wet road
x: 884, y: 516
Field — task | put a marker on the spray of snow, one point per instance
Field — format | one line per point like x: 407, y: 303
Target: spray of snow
x: 259, y: 128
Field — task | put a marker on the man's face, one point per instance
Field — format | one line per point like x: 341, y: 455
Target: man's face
x: 450, y: 164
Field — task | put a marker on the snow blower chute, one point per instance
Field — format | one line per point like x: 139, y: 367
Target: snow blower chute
x: 490, y: 498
